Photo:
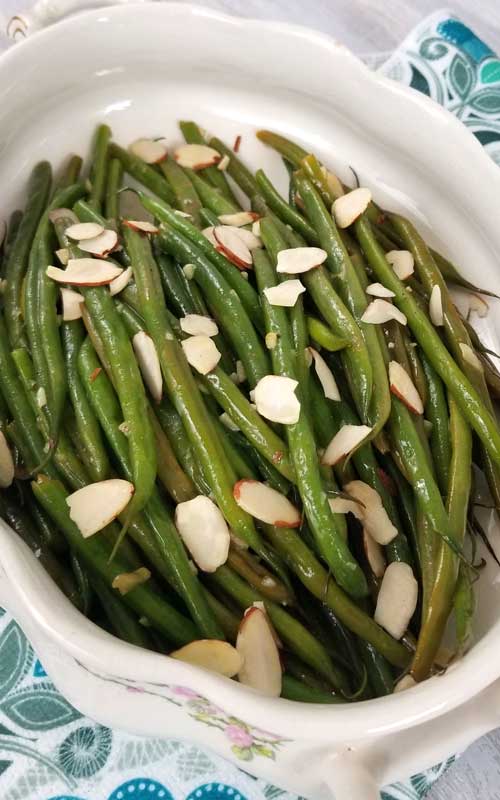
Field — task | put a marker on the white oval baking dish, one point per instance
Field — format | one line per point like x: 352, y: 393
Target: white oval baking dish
x: 141, y: 68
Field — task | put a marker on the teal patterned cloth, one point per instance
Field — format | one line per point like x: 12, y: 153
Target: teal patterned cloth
x: 48, y: 751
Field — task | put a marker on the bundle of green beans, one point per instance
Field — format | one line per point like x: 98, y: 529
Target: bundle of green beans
x: 246, y: 430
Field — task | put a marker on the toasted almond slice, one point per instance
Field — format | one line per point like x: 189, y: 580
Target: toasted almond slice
x: 261, y: 660
x: 63, y: 256
x: 208, y: 233
x: 7, y: 469
x: 98, y: 504
x: 379, y: 311
x: 341, y: 505
x: 232, y: 245
x: 224, y: 163
x: 149, y: 363
x: 397, y: 599
x: 239, y: 219
x: 402, y: 386
x: 202, y: 353
x: 271, y: 340
x: 407, y: 682
x: 252, y: 241
x: 345, y: 440
x: 204, y: 531
x: 198, y: 325
x: 85, y: 272
x: 266, y: 504
x: 284, y: 294
x: 148, y: 150
x: 377, y: 290
x: 84, y: 230
x: 71, y: 304
x: 141, y: 225
x: 63, y: 213
x: 348, y: 207
x: 128, y: 581
x: 470, y: 356
x: 101, y: 245
x: 436, y: 306
x: 374, y: 555
x: 119, y: 283
x: 211, y: 654
x: 256, y: 228
x: 196, y: 156
x: 402, y: 262
x: 276, y: 400
x: 376, y: 521
x: 325, y: 376
x: 300, y: 259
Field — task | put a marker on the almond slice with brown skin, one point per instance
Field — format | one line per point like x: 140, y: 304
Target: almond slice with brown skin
x: 378, y: 290
x: 149, y: 363
x: 402, y: 386
x: 201, y: 353
x: 402, y: 262
x: 375, y: 518
x: 325, y: 376
x: 284, y: 294
x: 196, y: 156
x: 211, y: 654
x: 71, y: 305
x: 436, y: 306
x: 85, y: 272
x: 101, y: 245
x: 98, y: 504
x: 344, y: 441
x: 119, y: 283
x: 140, y: 225
x: 84, y: 230
x: 149, y: 150
x: 239, y: 219
x: 266, y: 504
x: 275, y: 398
x: 380, y: 311
x: 347, y: 208
x: 230, y: 243
x: 397, y: 599
x: 300, y: 259
x: 7, y: 469
x: 198, y: 325
x: 128, y: 581
x: 261, y: 659
x: 204, y: 531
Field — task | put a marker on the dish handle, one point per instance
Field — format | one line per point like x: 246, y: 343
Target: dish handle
x: 47, y: 12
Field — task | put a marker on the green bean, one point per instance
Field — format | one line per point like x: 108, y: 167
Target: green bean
x: 379, y: 672
x: 113, y: 185
x: 193, y: 135
x: 241, y: 466
x: 405, y: 512
x: 71, y: 172
x: 175, y: 291
x: 174, y: 428
x: 95, y: 552
x: 85, y: 590
x: 124, y: 623
x: 18, y: 255
x: 291, y: 151
x: 436, y: 411
x: 99, y: 168
x: 302, y: 446
x: 416, y: 367
x: 210, y: 197
x: 324, y: 336
x: 293, y: 689
x: 428, y: 543
x: 267, y: 471
x: 464, y: 606
x: 283, y: 210
x: 143, y: 173
x: 446, y: 566
x: 236, y: 169
x: 170, y: 473
x: 15, y: 220
x: 258, y: 577
x: 184, y: 188
x: 228, y: 621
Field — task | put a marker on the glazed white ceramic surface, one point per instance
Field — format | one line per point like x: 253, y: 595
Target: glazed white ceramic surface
x: 141, y: 68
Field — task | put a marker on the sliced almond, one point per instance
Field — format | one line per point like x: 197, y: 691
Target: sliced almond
x: 347, y: 208
x: 284, y: 294
x: 344, y: 441
x: 85, y: 272
x: 202, y: 353
x: 84, y: 230
x: 300, y: 259
x: 232, y: 246
x: 276, y: 400
x: 141, y: 225
x: 266, y: 504
x: 407, y: 682
x: 63, y: 256
x: 128, y: 581
x: 149, y: 363
x: 119, y: 283
x: 402, y: 386
x: 98, y: 504
x: 468, y: 302
x: 271, y: 340
x: 470, y: 357
x: 208, y: 233
x: 261, y: 660
x: 41, y: 397
x: 397, y: 599
x: 71, y: 305
x: 325, y: 376
x: 63, y: 213
x: 249, y: 238
x: 101, y: 245
x: 196, y: 156
x: 341, y: 505
x: 198, y: 325
x: 380, y: 311
x: 402, y: 262
x: 7, y: 469
x: 333, y: 183
x: 377, y: 290
x: 148, y: 150
x: 374, y: 555
x: 211, y: 654
x: 189, y: 270
x: 224, y: 163
x: 256, y: 228
x: 204, y: 531
x: 239, y: 219
x: 436, y: 306
x: 376, y: 521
